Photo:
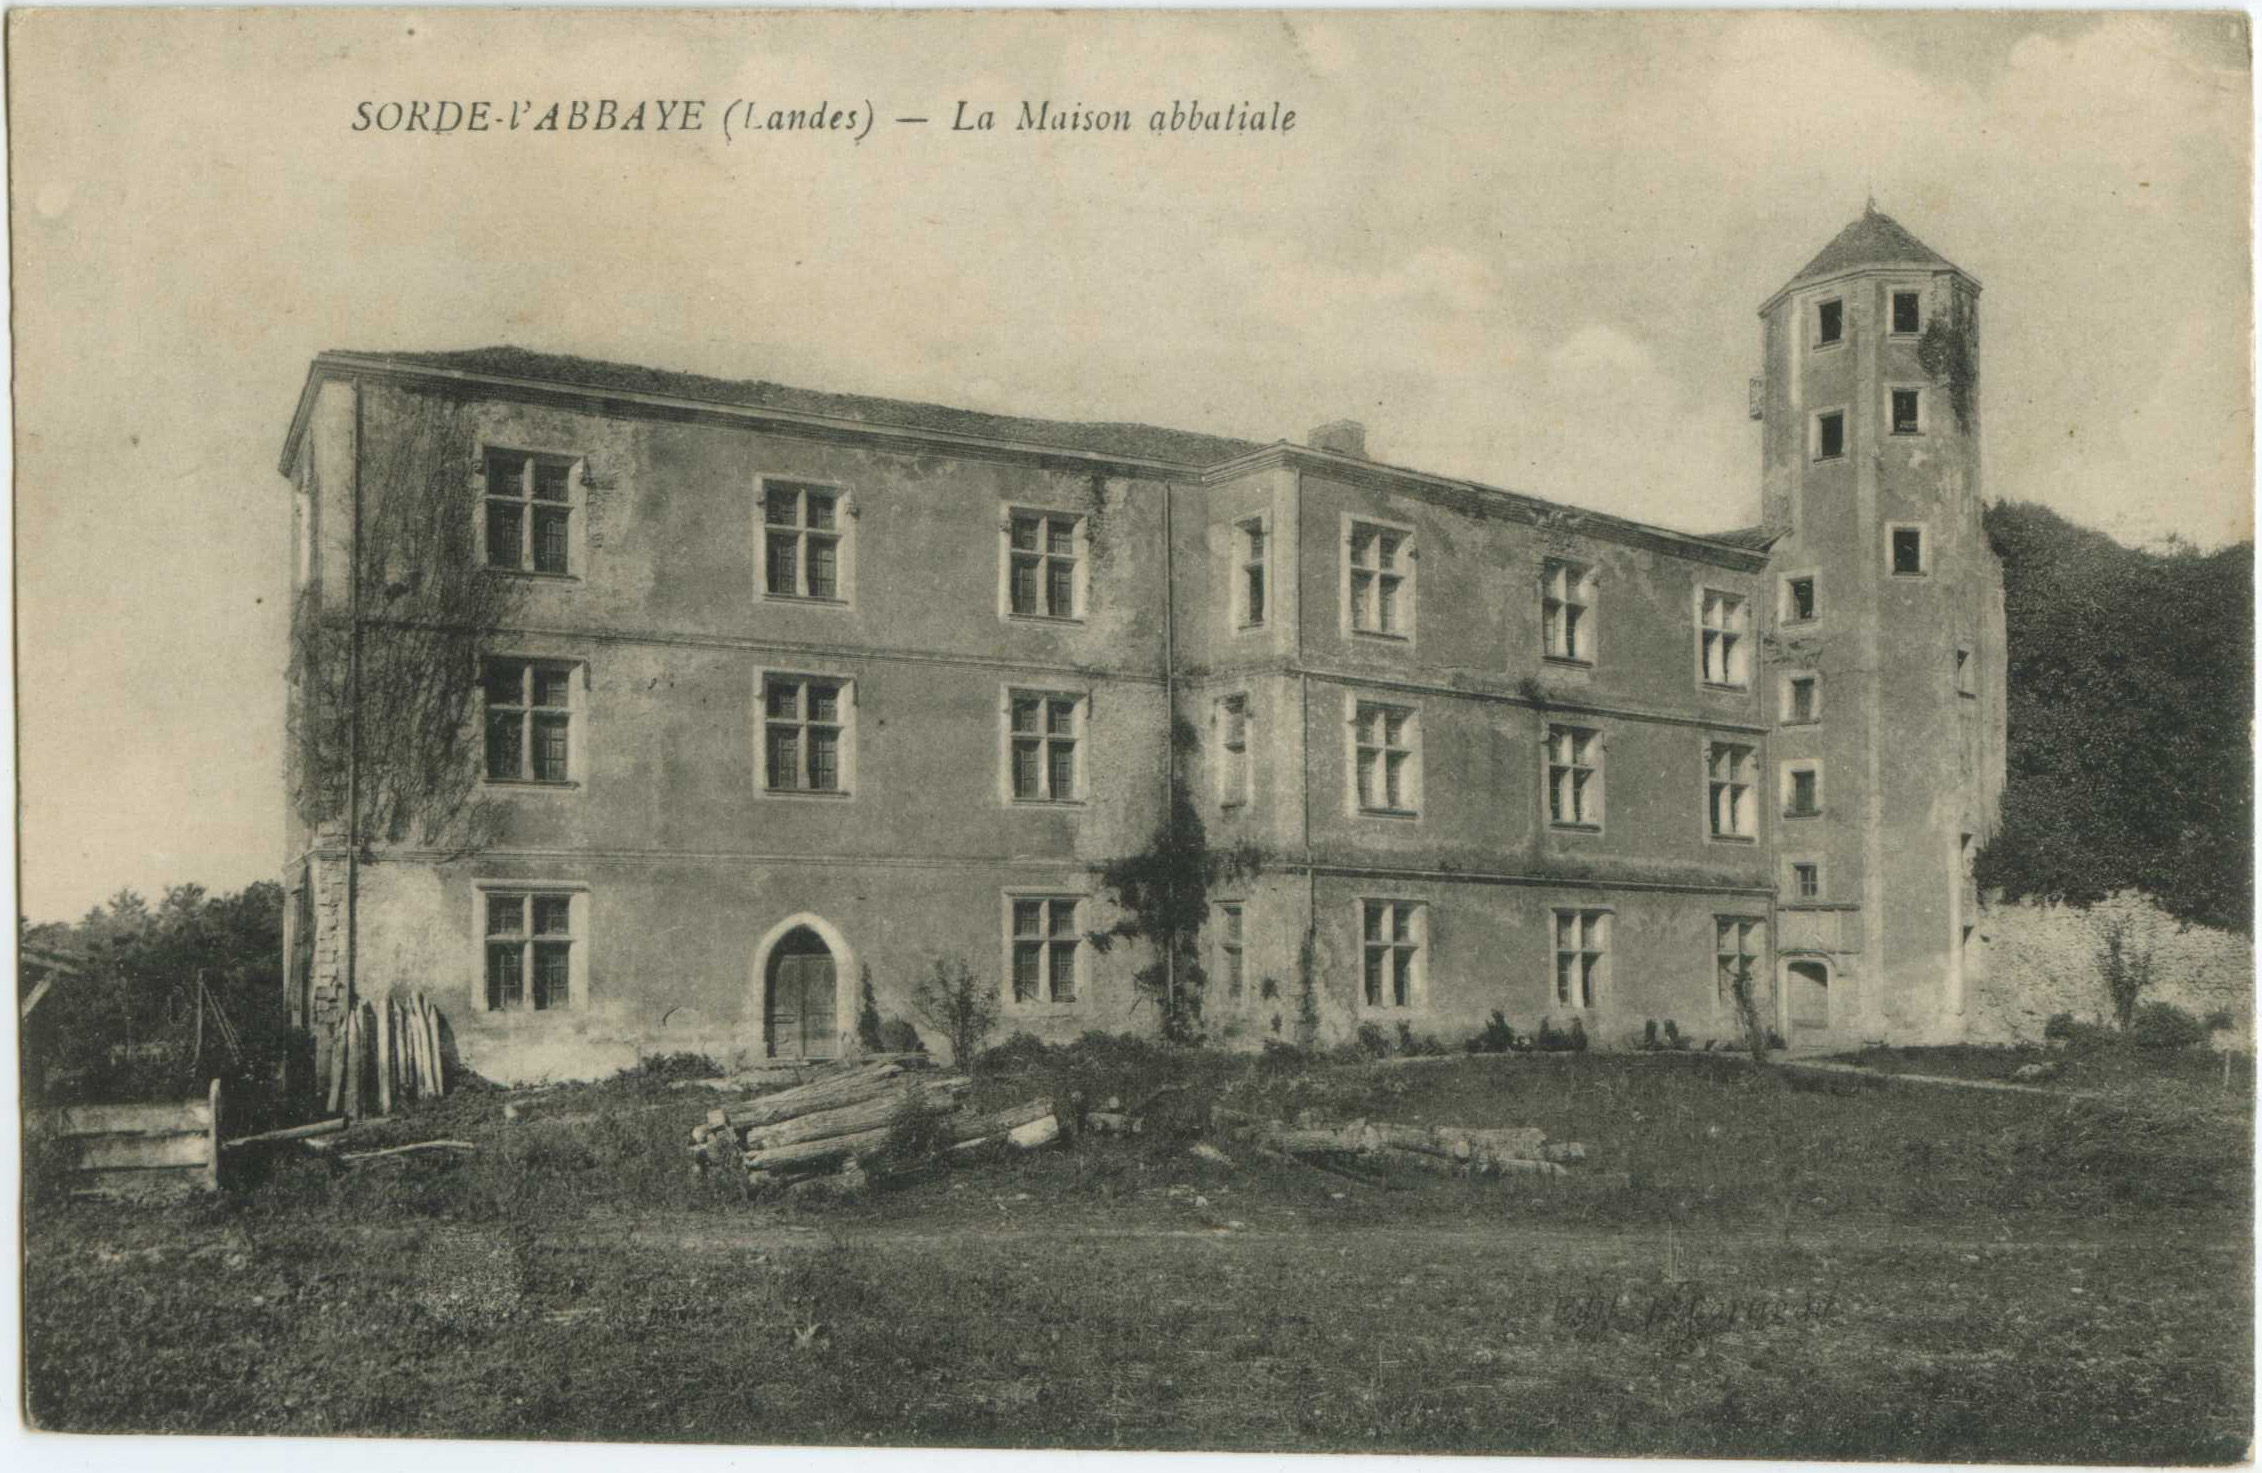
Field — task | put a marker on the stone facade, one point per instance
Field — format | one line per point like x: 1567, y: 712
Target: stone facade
x: 1492, y: 752
x: 2045, y: 961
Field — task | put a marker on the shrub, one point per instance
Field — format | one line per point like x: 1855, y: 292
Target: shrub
x: 868, y: 1015
x: 1552, y: 1039
x: 1414, y: 1045
x: 661, y: 1068
x: 954, y: 1003
x: 897, y: 1036
x: 2222, y: 1020
x: 2061, y: 1025
x: 1495, y: 1038
x: 1372, y: 1042
x: 2163, y: 1025
x: 1022, y: 1052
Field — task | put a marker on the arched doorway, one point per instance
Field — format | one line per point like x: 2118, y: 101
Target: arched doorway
x: 800, y: 997
x: 1809, y: 988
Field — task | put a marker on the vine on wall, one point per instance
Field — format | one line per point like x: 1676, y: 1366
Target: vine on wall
x: 1948, y: 352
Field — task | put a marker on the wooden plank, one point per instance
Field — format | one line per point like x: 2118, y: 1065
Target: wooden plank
x: 288, y: 1133
x: 156, y: 1119
x: 212, y: 1143
x: 142, y: 1152
x: 385, y: 1056
x: 439, y: 1058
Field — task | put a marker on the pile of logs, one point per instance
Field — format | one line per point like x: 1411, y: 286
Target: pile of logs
x: 1447, y: 1150
x: 840, y: 1123
x: 388, y: 1049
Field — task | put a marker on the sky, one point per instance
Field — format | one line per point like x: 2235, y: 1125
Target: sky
x: 1524, y: 249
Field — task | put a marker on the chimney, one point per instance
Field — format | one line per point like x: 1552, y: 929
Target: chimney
x: 1340, y: 437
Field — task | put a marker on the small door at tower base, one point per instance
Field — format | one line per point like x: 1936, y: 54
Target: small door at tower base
x: 1809, y: 994
x: 802, y: 1013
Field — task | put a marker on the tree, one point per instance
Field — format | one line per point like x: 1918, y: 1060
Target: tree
x: 957, y: 1005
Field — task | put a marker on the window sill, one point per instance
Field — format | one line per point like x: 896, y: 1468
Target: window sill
x: 541, y: 785
x: 1034, y: 1006
x: 1045, y: 802
x: 1789, y: 815
x: 832, y: 795
x: 1969, y: 695
x: 1571, y: 662
x: 1249, y: 626
x: 1911, y: 577
x: 1828, y: 459
x: 1401, y: 813
x: 1390, y: 634
x: 803, y: 598
x: 1020, y: 618
x: 1899, y: 434
x: 1560, y: 827
x: 1798, y: 721
x: 1801, y: 625
x: 1726, y: 688
x: 1230, y: 804
x: 526, y: 1012
x: 1732, y: 838
x: 536, y: 573
x: 1831, y: 346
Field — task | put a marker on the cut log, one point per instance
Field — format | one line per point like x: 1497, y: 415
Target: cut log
x: 1109, y: 1122
x: 355, y: 1048
x: 1562, y: 1151
x: 967, y: 1130
x: 288, y: 1133
x: 825, y: 1094
x: 813, y: 1153
x: 938, y: 1098
x: 404, y: 1150
x: 439, y: 1060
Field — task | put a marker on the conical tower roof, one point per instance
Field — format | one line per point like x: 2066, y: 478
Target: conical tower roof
x: 1872, y: 240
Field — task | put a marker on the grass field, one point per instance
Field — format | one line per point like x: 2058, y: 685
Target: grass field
x: 1751, y: 1265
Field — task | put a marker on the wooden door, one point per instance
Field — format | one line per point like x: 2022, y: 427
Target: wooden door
x: 1810, y: 995
x: 803, y: 1013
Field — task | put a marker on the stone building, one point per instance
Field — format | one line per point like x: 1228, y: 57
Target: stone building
x: 798, y: 687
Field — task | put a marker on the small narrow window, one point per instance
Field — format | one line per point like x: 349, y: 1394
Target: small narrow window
x: 1908, y: 314
x: 1908, y: 551
x: 1574, y: 777
x: 1806, y: 881
x: 1830, y: 435
x: 1805, y: 797
x: 1566, y: 593
x: 1799, y: 705
x: 1908, y: 412
x: 1964, y: 686
x: 1251, y: 535
x: 1394, y: 942
x: 1233, y: 739
x: 1230, y: 955
x: 1798, y: 600
x: 1582, y: 951
x: 1830, y: 322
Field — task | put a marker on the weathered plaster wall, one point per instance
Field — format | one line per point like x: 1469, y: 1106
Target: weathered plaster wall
x: 2042, y: 959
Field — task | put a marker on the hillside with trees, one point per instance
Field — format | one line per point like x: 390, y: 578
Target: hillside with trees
x: 2131, y: 700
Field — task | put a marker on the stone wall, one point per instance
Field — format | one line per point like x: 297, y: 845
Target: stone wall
x: 2042, y: 959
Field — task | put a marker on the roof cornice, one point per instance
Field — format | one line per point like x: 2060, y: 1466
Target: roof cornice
x: 1481, y: 500
x: 675, y: 407
x: 1874, y: 268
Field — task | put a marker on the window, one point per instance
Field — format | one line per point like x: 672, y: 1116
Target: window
x: 1806, y: 879
x: 804, y: 734
x: 1720, y: 637
x: 1395, y: 933
x: 1231, y: 960
x: 1905, y: 547
x: 1964, y: 674
x: 529, y: 720
x: 1233, y: 743
x: 1829, y: 322
x: 1802, y: 699
x: 1045, y: 737
x: 1830, y: 435
x: 1799, y: 605
x: 1908, y: 313
x: 1249, y: 539
x: 1728, y: 775
x: 1566, y: 594
x: 802, y: 542
x: 1379, y: 560
x: 1802, y: 789
x: 1044, y: 941
x: 529, y: 512
x: 1383, y: 741
x: 1908, y: 411
x: 1582, y: 955
x: 1574, y: 777
x: 530, y: 940
x: 1738, y: 947
x: 1044, y: 565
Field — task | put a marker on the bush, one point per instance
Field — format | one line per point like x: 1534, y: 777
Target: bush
x: 2163, y: 1025
x: 1022, y: 1052
x: 1561, y: 1040
x: 2061, y: 1025
x: 1372, y: 1042
x: 1495, y: 1038
x: 959, y: 1006
x: 663, y: 1068
x: 896, y: 1036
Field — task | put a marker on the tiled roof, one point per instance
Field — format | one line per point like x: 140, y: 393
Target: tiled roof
x: 1131, y: 441
x: 1872, y: 240
x: 1757, y: 539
